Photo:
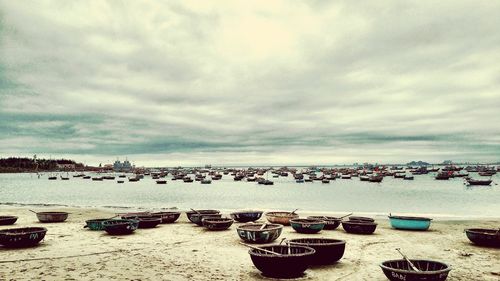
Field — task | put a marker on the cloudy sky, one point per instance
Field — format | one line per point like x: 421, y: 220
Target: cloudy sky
x: 249, y: 82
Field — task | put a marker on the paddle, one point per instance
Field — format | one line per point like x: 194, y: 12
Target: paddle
x: 196, y: 211
x: 32, y: 211
x: 345, y: 216
x: 409, y: 262
x: 259, y: 249
x: 263, y: 226
x: 294, y: 211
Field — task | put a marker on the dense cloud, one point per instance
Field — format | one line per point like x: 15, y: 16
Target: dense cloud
x: 280, y: 82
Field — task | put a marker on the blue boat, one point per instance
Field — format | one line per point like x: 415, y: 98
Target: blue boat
x: 410, y: 223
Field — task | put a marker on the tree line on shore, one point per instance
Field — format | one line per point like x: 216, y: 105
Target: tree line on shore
x: 20, y: 164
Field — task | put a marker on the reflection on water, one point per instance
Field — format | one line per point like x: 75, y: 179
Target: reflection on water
x: 422, y: 195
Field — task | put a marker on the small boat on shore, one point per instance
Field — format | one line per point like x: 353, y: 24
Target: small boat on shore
x: 46, y: 217
x: 192, y: 213
x: 246, y: 216
x: 410, y: 223
x: 307, y: 226
x: 281, y: 217
x: 287, y: 261
x: 259, y: 233
x: 359, y: 227
x: 198, y: 218
x: 362, y: 219
x: 331, y: 223
x: 167, y: 217
x: 148, y: 222
x: 7, y: 220
x: 328, y: 251
x: 120, y: 227
x: 22, y: 237
x: 484, y: 237
x: 95, y: 224
x: 397, y: 270
x: 217, y: 224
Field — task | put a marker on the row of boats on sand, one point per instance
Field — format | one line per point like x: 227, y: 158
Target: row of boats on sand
x: 287, y: 259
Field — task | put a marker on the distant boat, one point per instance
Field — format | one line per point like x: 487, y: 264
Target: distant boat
x: 478, y: 182
x: 376, y: 178
x: 206, y: 181
x: 53, y: 178
x: 346, y: 176
x: 161, y: 182
x: 443, y: 176
x: 409, y: 177
x: 64, y: 178
x: 364, y: 178
x: 133, y: 179
x: 97, y: 179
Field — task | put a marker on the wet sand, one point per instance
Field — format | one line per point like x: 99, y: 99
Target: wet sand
x: 183, y: 251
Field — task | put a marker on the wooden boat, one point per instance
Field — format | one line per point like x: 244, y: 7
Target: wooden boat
x: 86, y: 177
x: 206, y: 181
x: 7, y: 220
x: 52, y: 216
x: 359, y: 227
x: 198, y: 218
x: 410, y: 223
x: 148, y: 222
x: 291, y: 262
x: 397, y: 270
x: 307, y: 226
x: 409, y: 177
x: 64, y: 178
x: 478, y: 182
x: 52, y: 178
x: 364, y: 178
x: 268, y: 182
x: 328, y: 251
x: 246, y: 216
x: 281, y: 217
x: 167, y: 217
x: 136, y: 179
x: 120, y: 227
x: 161, y: 182
x: 217, y: 223
x: 120, y: 181
x: 331, y: 223
x: 442, y: 176
x: 95, y: 224
x: 364, y: 219
x: 22, y: 237
x: 189, y: 214
x: 376, y: 178
x: 259, y: 233
x: 484, y: 237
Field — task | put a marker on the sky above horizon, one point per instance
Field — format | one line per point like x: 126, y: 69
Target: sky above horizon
x: 250, y: 82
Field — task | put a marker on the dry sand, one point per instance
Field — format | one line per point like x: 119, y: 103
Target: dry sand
x: 183, y: 251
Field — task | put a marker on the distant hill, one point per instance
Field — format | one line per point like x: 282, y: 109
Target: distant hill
x: 16, y: 165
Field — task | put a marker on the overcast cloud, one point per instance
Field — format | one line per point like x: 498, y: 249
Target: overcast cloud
x: 249, y: 82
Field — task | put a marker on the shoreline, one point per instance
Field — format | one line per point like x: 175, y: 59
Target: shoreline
x: 378, y: 215
x: 183, y: 251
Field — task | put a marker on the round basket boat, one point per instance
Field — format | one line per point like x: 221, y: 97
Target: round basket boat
x: 189, y: 214
x: 7, y: 220
x: 120, y: 227
x: 22, y: 237
x: 356, y: 218
x: 198, y: 218
x: 148, y: 222
x: 397, y: 270
x: 167, y: 217
x: 52, y: 216
x: 252, y: 232
x: 331, y: 223
x: 484, y: 237
x: 95, y: 224
x: 217, y: 223
x: 291, y: 263
x: 328, y: 251
x: 410, y: 223
x: 246, y: 216
x: 307, y: 226
x: 359, y: 227
x: 281, y: 217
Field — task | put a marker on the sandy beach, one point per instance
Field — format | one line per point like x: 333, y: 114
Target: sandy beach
x: 183, y: 251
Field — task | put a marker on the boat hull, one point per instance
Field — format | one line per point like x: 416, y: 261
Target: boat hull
x: 410, y: 223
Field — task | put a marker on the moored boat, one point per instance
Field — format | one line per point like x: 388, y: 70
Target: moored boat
x: 281, y: 217
x: 359, y: 227
x: 246, y: 216
x: 22, y: 237
x: 410, y: 223
x: 51, y: 216
x: 259, y: 233
x: 288, y: 262
x: 167, y: 217
x: 7, y: 220
x: 331, y: 223
x: 328, y: 251
x: 217, y: 223
x: 397, y: 270
x: 307, y: 226
x: 120, y: 227
x: 484, y: 237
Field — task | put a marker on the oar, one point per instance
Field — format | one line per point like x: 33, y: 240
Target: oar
x: 408, y: 260
x: 345, y: 216
x: 294, y: 211
x: 263, y: 226
x: 196, y: 211
x: 498, y: 232
x: 263, y: 250
x: 32, y: 211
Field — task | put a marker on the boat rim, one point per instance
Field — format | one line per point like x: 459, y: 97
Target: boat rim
x: 332, y: 242
x: 447, y: 269
x: 273, y: 226
x: 410, y: 218
x: 309, y: 251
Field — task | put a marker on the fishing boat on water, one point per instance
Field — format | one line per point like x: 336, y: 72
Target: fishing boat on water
x: 471, y: 181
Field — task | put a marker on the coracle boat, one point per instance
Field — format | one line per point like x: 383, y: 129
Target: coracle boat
x: 259, y: 233
x: 364, y: 219
x: 484, y: 237
x: 51, y: 216
x: 167, y: 217
x: 478, y: 182
x: 7, y: 220
x: 148, y: 222
x: 359, y: 227
x: 410, y: 223
x: 198, y: 218
x: 288, y: 262
x: 328, y: 251
x: 397, y: 270
x: 307, y: 226
x: 95, y: 224
x: 331, y: 223
x: 246, y: 216
x: 189, y: 214
x: 22, y: 237
x: 281, y: 217
x: 217, y: 223
x: 120, y: 227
